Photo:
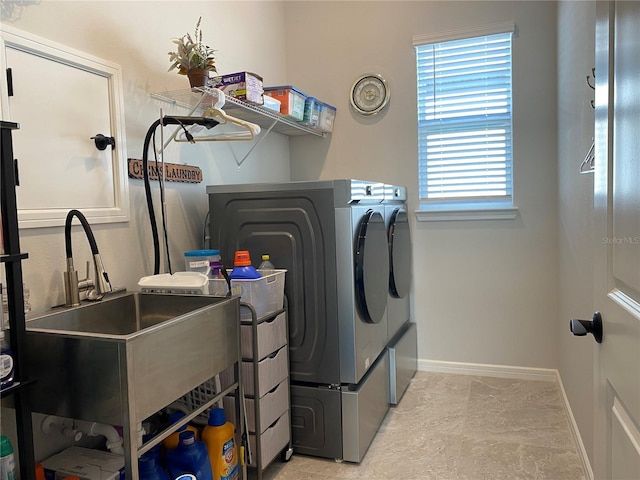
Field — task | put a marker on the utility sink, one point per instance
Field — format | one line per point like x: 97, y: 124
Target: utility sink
x: 123, y: 316
x: 120, y: 360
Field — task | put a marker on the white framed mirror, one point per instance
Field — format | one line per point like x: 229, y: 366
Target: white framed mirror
x: 61, y: 97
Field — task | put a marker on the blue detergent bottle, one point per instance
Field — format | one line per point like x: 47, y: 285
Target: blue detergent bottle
x: 190, y: 456
x: 149, y: 468
x: 242, y: 269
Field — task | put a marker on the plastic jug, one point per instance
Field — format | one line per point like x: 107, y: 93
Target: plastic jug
x: 7, y: 462
x: 219, y: 438
x: 190, y: 456
x: 149, y: 468
x: 242, y: 268
x: 172, y: 440
x: 266, y: 263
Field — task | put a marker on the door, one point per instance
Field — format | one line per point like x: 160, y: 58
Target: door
x: 617, y: 256
x: 371, y: 267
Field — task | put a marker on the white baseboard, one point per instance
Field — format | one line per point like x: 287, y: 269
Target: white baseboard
x: 522, y: 373
x: 488, y: 370
x: 573, y: 426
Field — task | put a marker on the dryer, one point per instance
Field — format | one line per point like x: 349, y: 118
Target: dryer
x: 400, y: 263
x: 403, y: 340
x: 331, y: 236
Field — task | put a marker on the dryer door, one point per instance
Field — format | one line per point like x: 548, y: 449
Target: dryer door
x: 372, y: 267
x: 399, y: 254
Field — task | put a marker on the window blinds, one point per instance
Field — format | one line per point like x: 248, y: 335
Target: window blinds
x: 464, y: 119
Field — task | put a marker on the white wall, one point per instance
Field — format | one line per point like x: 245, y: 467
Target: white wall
x: 576, y: 41
x: 484, y: 291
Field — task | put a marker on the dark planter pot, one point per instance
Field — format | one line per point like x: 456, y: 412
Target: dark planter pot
x: 198, y: 77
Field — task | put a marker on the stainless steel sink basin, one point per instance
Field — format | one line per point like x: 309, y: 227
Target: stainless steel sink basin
x: 120, y: 360
x: 121, y: 316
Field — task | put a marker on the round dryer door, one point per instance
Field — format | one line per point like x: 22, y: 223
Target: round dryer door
x: 372, y: 267
x: 399, y: 254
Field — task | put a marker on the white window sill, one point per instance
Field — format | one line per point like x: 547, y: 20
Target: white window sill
x: 509, y: 213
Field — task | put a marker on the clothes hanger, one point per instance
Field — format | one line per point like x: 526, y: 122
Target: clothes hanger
x: 248, y: 130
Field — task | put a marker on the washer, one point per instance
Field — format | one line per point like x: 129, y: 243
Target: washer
x: 332, y: 238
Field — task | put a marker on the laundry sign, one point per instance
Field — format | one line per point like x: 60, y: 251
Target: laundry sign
x: 172, y: 171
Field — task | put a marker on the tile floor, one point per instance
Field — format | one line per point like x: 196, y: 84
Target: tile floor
x: 460, y: 427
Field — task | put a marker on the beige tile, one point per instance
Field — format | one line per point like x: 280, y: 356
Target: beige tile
x: 427, y: 416
x: 458, y: 427
x: 422, y: 407
x: 425, y: 455
x: 494, y: 460
x: 504, y: 391
x: 518, y: 411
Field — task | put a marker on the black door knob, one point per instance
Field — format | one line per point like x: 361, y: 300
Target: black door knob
x: 582, y: 327
x: 103, y: 142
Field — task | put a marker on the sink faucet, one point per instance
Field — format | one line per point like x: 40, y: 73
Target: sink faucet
x: 72, y: 287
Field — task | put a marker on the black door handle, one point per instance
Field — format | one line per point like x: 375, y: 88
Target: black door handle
x: 582, y: 327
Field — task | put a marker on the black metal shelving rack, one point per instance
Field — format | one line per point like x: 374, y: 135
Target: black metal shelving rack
x: 12, y: 259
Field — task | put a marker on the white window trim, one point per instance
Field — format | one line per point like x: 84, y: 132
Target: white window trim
x: 471, y: 214
x: 480, y: 213
x: 479, y: 31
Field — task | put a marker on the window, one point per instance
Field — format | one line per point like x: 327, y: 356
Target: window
x: 464, y: 124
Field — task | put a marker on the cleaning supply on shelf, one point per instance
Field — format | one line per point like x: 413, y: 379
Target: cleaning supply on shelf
x: 39, y: 472
x: 200, y: 260
x: 172, y: 440
x: 190, y: 456
x: 7, y: 366
x: 218, y: 436
x: 150, y: 469
x: 7, y: 462
x: 242, y: 268
x: 266, y: 263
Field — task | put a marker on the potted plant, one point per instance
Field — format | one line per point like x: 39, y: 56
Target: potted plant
x: 192, y: 57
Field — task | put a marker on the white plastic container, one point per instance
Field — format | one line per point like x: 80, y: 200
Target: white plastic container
x: 327, y: 117
x: 271, y: 103
x: 265, y: 294
x: 187, y: 283
x: 291, y: 100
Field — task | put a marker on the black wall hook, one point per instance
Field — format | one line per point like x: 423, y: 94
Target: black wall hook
x: 103, y: 142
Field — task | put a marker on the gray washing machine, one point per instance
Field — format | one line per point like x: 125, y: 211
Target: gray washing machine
x: 331, y: 236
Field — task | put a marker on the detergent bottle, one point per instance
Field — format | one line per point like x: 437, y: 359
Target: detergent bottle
x: 171, y: 441
x: 219, y: 438
x: 242, y: 268
x: 149, y: 468
x: 190, y: 456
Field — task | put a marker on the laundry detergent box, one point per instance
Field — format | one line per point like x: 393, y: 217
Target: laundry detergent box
x: 242, y: 85
x: 84, y: 463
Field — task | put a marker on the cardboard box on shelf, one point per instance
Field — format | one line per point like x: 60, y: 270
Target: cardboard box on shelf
x: 242, y: 85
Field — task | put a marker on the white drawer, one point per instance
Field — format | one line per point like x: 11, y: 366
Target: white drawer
x: 271, y: 407
x: 271, y: 371
x: 272, y: 335
x: 273, y: 441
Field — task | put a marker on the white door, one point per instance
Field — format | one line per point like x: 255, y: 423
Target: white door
x: 617, y: 210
